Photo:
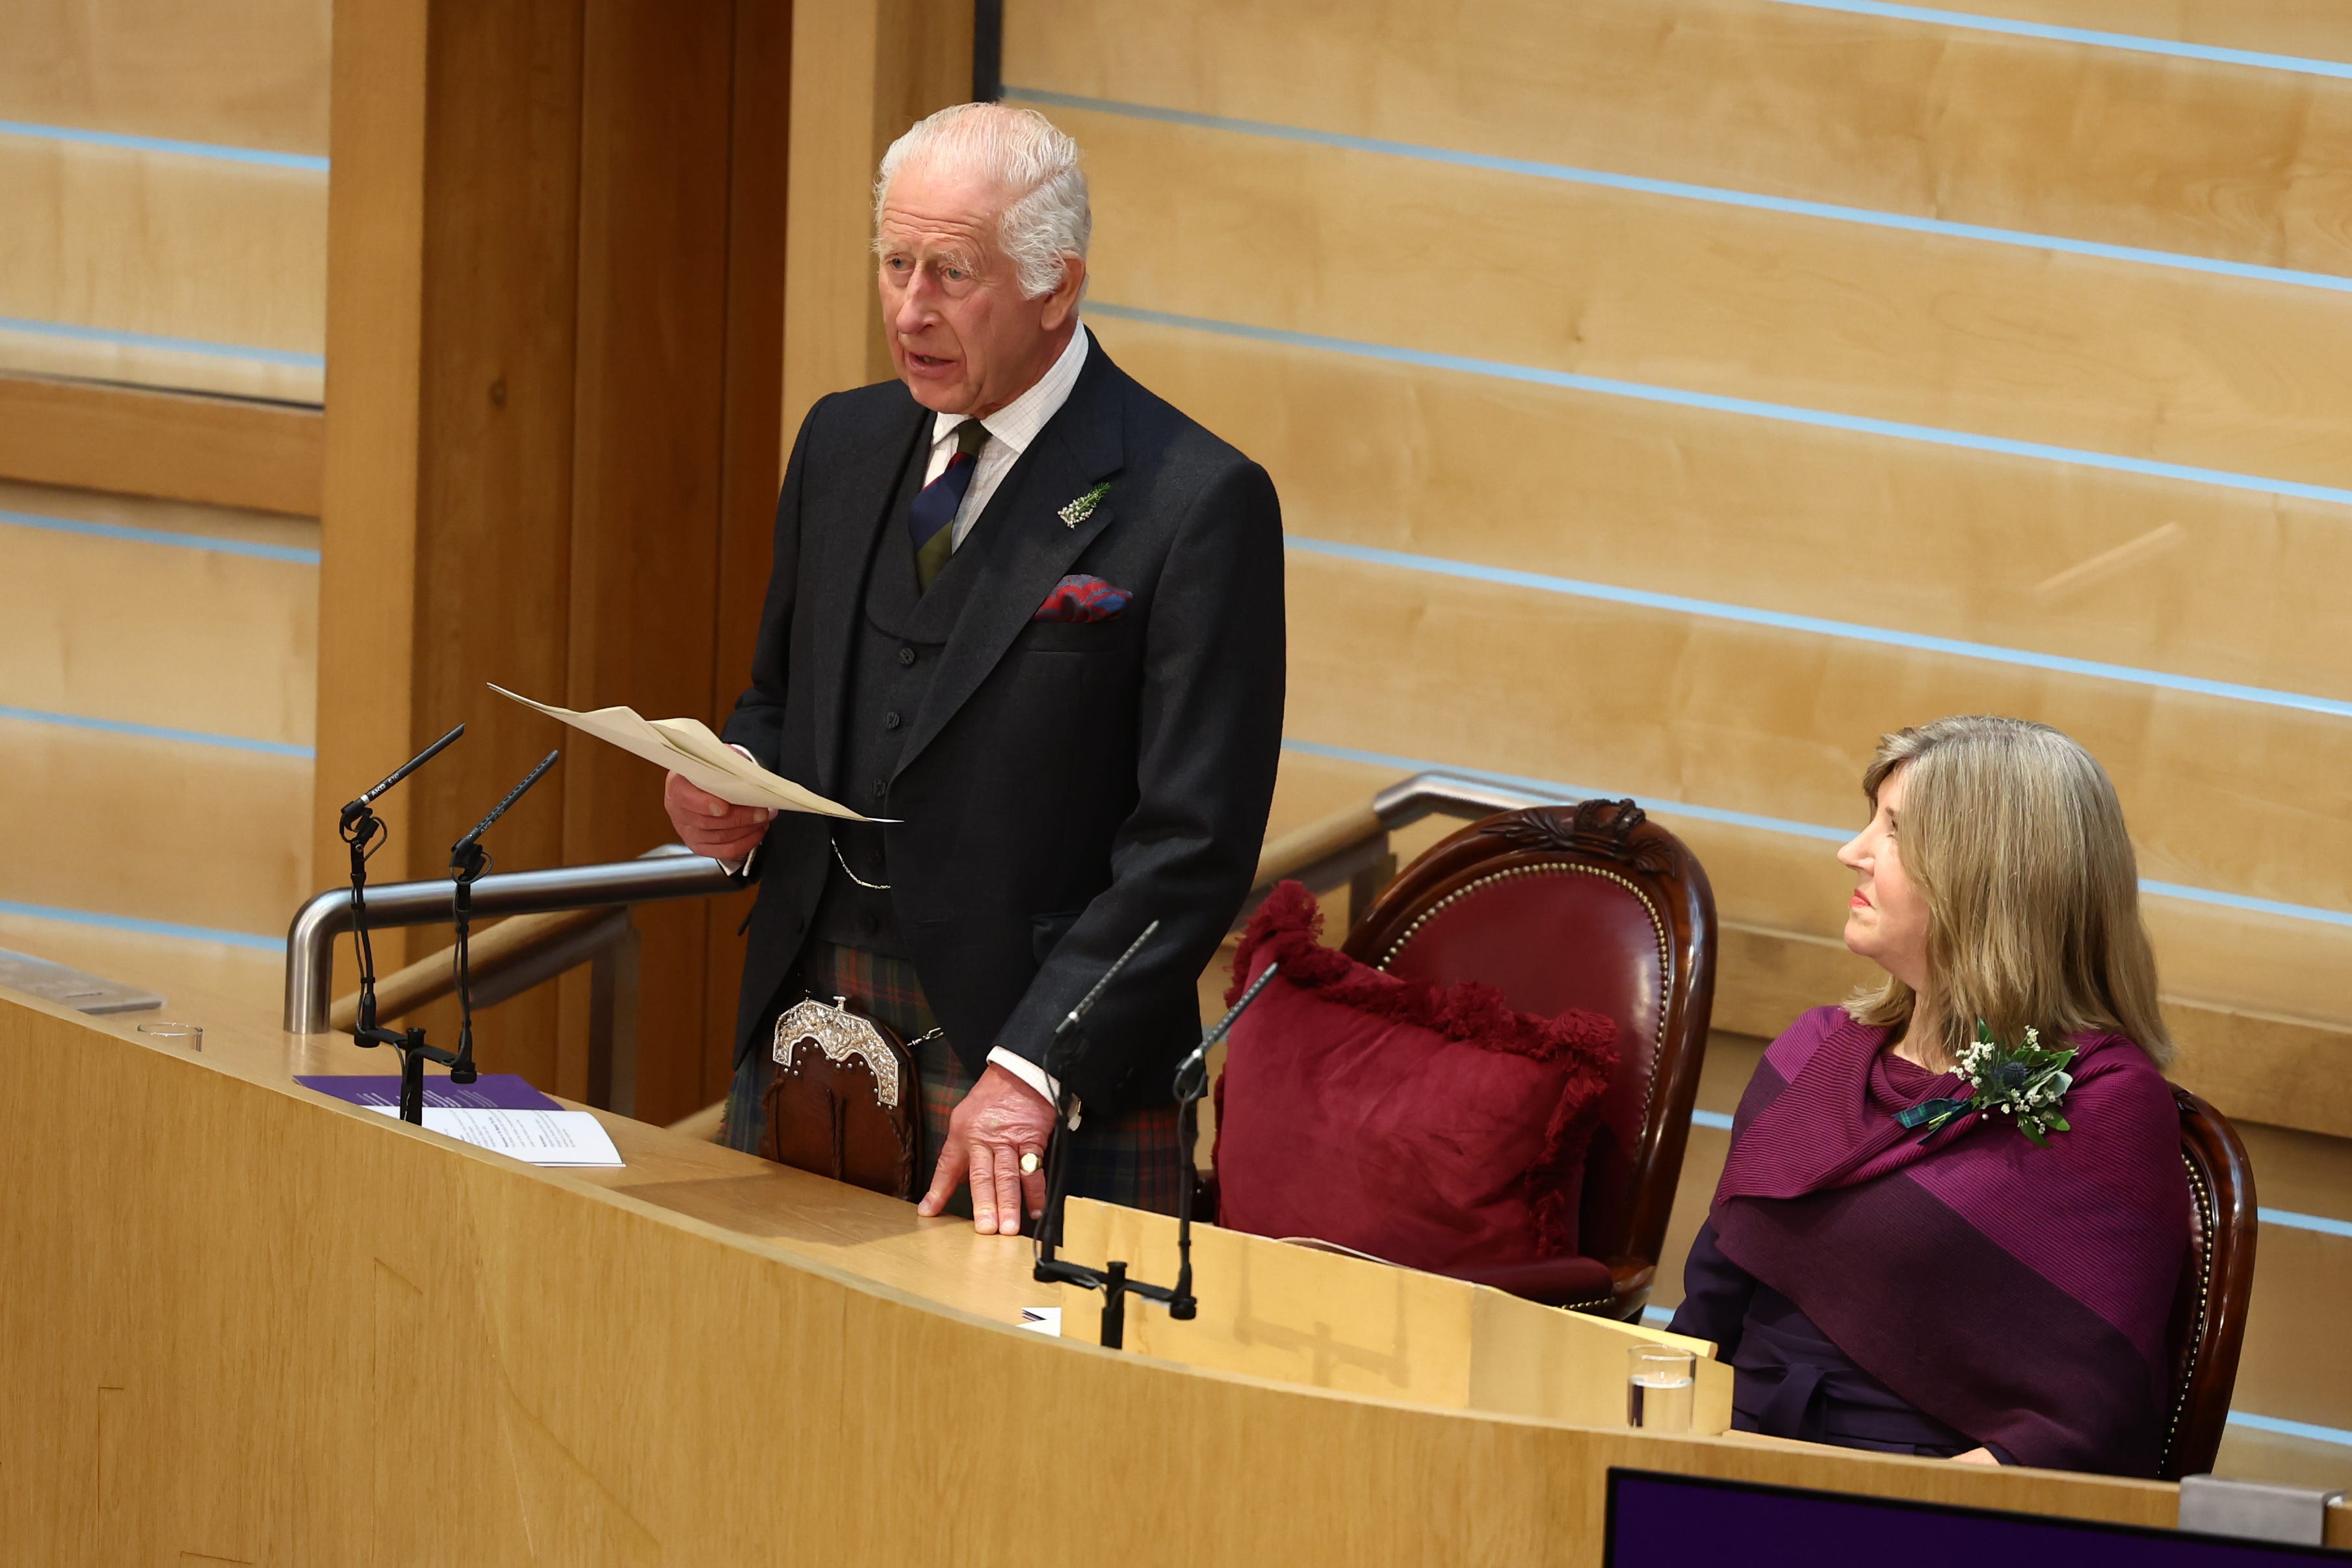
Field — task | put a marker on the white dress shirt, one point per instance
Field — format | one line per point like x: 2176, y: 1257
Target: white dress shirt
x: 1011, y: 430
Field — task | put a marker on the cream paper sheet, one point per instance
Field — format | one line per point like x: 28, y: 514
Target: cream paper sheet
x: 689, y: 747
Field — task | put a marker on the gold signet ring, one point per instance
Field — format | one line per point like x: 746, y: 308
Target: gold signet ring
x: 1029, y: 1162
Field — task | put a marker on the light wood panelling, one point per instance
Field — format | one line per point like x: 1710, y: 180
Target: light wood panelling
x: 1903, y: 117
x: 2118, y: 568
x: 222, y: 253
x: 2144, y: 363
x: 151, y: 632
x: 480, y: 401
x: 598, y: 1373
x: 368, y: 525
x: 1760, y: 719
x: 647, y: 471
x: 164, y: 830
x: 554, y: 439
x: 2315, y: 28
x: 243, y: 73
x: 160, y: 444
x: 182, y: 971
x: 864, y: 71
x: 1298, y: 1315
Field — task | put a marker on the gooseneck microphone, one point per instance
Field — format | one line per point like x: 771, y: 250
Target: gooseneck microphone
x: 468, y: 861
x: 355, y: 809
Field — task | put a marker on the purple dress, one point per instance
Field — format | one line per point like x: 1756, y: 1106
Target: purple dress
x: 1876, y: 1291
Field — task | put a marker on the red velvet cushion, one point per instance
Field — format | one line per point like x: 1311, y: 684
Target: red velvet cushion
x: 1430, y: 1125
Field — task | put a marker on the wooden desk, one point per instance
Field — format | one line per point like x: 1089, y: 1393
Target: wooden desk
x: 243, y: 1324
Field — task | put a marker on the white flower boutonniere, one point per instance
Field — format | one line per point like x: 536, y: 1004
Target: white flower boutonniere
x: 1078, y: 510
x: 2027, y: 1082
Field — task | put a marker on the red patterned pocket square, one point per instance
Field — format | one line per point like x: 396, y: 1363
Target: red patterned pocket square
x: 1080, y: 599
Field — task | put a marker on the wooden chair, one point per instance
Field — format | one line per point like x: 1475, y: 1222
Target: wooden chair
x: 2209, y: 1315
x: 1590, y: 906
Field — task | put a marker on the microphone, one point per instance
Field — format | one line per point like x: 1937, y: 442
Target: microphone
x: 355, y: 809
x: 1192, y: 1072
x: 1069, y: 1026
x: 467, y: 848
x: 363, y: 829
x: 468, y: 861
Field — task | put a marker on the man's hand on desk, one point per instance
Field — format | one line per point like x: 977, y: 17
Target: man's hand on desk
x: 1000, y: 1120
x: 710, y: 826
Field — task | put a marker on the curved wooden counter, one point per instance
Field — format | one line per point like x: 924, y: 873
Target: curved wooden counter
x: 249, y: 1324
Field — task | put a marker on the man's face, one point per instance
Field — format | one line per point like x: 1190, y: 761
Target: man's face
x: 963, y: 338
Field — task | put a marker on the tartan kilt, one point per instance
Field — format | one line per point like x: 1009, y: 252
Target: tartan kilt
x: 1135, y: 1160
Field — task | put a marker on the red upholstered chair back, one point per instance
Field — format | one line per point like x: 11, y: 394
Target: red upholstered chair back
x: 2209, y: 1315
x: 1589, y: 905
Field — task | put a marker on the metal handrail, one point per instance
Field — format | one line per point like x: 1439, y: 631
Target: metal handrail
x: 1347, y: 847
x: 672, y: 871
x: 1445, y: 795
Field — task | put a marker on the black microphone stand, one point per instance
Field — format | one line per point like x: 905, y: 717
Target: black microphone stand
x: 1192, y: 1083
x: 364, y: 831
x: 468, y: 861
x: 1111, y: 1278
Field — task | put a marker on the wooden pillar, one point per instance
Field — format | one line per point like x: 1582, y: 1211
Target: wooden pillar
x: 556, y: 269
x: 864, y: 71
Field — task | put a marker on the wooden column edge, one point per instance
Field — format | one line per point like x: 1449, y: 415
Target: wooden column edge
x: 176, y: 446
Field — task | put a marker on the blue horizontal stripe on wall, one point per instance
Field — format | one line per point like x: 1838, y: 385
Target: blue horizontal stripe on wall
x: 1570, y: 174
x: 143, y: 927
x: 120, y: 339
x: 1551, y: 790
x: 2294, y: 1221
x: 2272, y: 1424
x: 1816, y: 625
x: 160, y: 536
x: 2298, y: 64
x: 254, y: 156
x: 1785, y: 412
x: 1715, y: 1119
x: 158, y: 732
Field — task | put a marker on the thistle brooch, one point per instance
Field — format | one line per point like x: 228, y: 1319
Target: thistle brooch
x: 1078, y: 510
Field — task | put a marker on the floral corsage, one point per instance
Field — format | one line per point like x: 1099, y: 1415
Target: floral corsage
x: 2027, y: 1082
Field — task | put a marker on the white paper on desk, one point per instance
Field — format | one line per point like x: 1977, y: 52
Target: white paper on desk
x: 688, y: 746
x: 540, y: 1137
x: 1046, y: 1320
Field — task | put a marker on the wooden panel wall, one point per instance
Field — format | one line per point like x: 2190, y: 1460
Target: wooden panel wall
x: 558, y: 239
x: 869, y: 69
x: 626, y: 1368
x: 1673, y: 408
x: 189, y: 250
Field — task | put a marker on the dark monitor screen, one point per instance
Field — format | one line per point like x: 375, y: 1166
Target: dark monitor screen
x: 1659, y: 1520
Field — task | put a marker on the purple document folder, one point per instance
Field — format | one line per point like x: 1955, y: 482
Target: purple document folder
x: 491, y: 1092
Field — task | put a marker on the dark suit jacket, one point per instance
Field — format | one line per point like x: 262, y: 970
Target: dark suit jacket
x: 1064, y: 784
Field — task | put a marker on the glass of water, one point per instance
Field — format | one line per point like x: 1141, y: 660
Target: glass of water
x: 169, y: 1031
x: 1660, y: 1388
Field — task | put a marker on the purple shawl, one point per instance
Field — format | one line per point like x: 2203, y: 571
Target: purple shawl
x: 2019, y: 1295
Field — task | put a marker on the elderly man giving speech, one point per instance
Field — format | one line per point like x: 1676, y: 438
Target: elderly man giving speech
x: 1032, y: 615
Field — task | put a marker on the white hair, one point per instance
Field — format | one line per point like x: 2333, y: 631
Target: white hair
x: 1023, y: 153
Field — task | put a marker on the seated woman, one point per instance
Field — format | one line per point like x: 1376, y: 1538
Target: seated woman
x: 1952, y: 1286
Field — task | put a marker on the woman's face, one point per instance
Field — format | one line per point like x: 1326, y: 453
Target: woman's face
x: 1888, y: 921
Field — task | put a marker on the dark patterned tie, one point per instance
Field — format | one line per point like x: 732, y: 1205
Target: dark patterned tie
x: 927, y: 523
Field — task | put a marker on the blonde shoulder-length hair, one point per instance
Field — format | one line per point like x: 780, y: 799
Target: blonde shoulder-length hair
x: 2013, y: 832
